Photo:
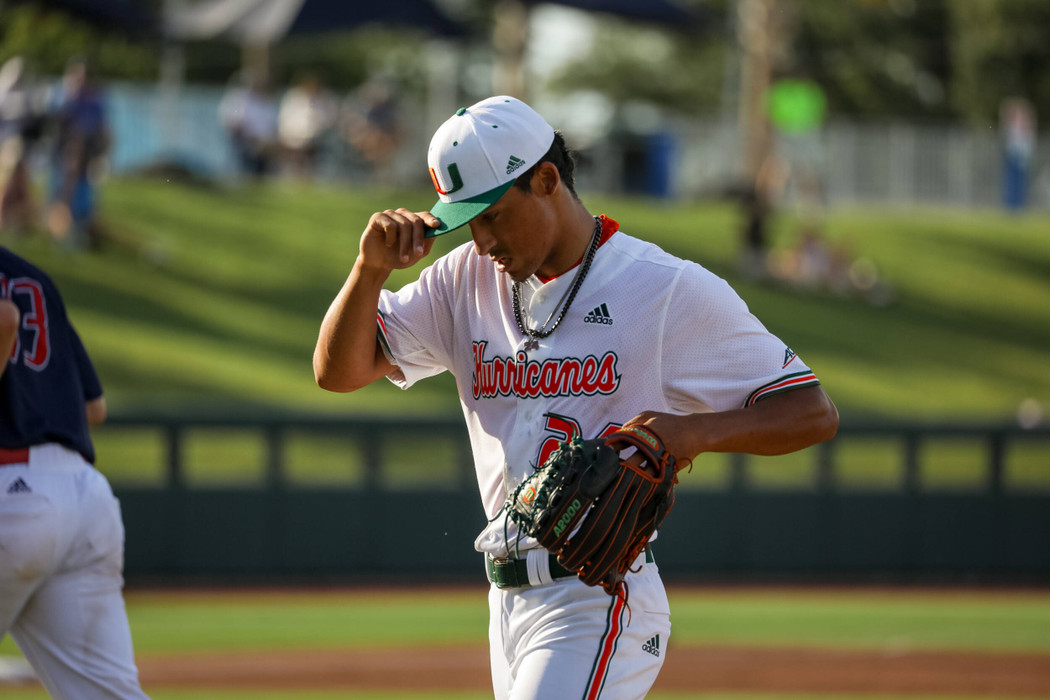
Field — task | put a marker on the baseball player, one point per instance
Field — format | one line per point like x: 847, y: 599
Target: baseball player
x: 556, y: 324
x: 61, y: 535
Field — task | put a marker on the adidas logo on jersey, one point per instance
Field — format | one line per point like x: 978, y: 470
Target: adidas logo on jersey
x: 514, y: 163
x: 19, y: 486
x: 600, y: 314
x: 652, y: 646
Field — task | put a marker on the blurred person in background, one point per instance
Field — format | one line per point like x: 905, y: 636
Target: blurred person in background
x: 21, y: 126
x: 306, y: 115
x: 1017, y: 124
x: 371, y: 124
x: 77, y: 116
x: 61, y: 533
x: 249, y: 116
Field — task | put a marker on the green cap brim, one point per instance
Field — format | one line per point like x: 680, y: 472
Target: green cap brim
x: 456, y: 214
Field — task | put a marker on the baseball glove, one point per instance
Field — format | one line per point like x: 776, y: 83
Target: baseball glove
x: 593, y: 510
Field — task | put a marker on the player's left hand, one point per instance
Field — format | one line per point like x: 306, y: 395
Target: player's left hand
x: 677, y: 431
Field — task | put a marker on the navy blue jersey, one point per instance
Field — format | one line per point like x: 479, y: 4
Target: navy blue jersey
x: 49, y: 375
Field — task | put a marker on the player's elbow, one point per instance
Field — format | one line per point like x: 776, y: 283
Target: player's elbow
x: 825, y: 420
x: 334, y: 384
x: 329, y: 380
x: 338, y: 381
x: 96, y: 411
x: 351, y: 371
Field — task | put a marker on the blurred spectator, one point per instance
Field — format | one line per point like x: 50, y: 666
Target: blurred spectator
x: 1017, y: 124
x: 796, y: 108
x: 371, y: 123
x: 250, y: 117
x: 755, y: 205
x: 21, y: 126
x: 77, y: 113
x: 306, y: 114
x: 816, y: 264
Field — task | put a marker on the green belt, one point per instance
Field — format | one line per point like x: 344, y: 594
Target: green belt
x: 514, y: 573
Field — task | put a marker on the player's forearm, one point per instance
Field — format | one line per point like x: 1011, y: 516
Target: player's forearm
x: 347, y: 356
x: 778, y: 425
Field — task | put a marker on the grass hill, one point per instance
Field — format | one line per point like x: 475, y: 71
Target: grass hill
x: 210, y: 299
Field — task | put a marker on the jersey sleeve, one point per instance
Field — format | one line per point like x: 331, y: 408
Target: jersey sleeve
x: 717, y: 351
x: 415, y: 326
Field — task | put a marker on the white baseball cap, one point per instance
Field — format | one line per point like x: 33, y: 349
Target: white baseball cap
x: 476, y: 155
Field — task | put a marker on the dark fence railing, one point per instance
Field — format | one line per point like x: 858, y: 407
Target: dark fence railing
x: 992, y: 526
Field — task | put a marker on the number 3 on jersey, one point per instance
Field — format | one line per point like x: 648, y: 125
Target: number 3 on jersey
x: 563, y: 429
x: 36, y: 353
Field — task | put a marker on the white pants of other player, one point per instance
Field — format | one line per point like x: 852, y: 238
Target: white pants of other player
x: 61, y: 575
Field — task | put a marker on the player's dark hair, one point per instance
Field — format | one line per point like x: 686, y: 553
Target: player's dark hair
x: 563, y: 160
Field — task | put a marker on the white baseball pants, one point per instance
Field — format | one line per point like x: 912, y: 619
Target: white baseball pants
x: 569, y: 641
x: 61, y: 575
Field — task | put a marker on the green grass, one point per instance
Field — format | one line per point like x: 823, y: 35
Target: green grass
x: 165, y: 623
x: 209, y: 300
x: 864, y: 619
x: 891, y: 621
x: 213, y: 297
x: 882, y: 620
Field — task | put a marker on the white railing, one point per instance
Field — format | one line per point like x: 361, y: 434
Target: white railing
x: 866, y: 163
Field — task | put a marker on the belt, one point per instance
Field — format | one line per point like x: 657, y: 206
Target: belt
x: 16, y: 456
x: 514, y: 573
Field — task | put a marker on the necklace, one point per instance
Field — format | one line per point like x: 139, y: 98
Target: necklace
x: 534, y: 334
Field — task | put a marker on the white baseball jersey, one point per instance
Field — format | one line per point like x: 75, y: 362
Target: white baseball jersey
x: 646, y: 331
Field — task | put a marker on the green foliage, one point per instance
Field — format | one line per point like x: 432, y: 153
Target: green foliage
x: 47, y: 39
x: 630, y: 64
x: 917, y: 59
x: 875, y: 58
x: 999, y: 49
x: 341, y: 60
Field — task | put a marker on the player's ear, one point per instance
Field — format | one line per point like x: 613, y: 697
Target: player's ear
x: 546, y: 179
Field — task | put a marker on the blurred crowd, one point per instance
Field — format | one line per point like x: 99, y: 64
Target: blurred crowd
x: 61, y: 127
x: 290, y: 133
x: 55, y: 141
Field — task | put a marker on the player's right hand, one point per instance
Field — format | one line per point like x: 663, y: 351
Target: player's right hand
x: 393, y: 239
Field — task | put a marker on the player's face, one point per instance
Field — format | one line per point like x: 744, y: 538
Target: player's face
x: 518, y: 234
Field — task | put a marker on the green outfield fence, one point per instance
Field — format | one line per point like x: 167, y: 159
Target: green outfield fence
x: 284, y: 498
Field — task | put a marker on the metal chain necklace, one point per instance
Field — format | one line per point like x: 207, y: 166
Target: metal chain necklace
x: 534, y: 334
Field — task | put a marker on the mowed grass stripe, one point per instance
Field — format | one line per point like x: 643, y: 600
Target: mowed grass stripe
x: 891, y: 621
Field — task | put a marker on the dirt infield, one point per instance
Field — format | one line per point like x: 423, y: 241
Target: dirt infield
x: 695, y: 668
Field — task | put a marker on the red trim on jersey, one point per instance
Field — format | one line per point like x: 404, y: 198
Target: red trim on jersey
x: 790, y: 382
x: 609, y: 227
x: 606, y: 649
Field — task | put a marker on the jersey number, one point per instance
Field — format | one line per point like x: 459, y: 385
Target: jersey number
x: 37, y: 351
x: 563, y: 429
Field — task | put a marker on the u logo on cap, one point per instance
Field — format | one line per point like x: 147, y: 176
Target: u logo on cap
x: 453, y: 173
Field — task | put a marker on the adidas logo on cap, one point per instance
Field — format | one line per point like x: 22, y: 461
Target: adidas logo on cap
x: 514, y: 163
x: 599, y: 314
